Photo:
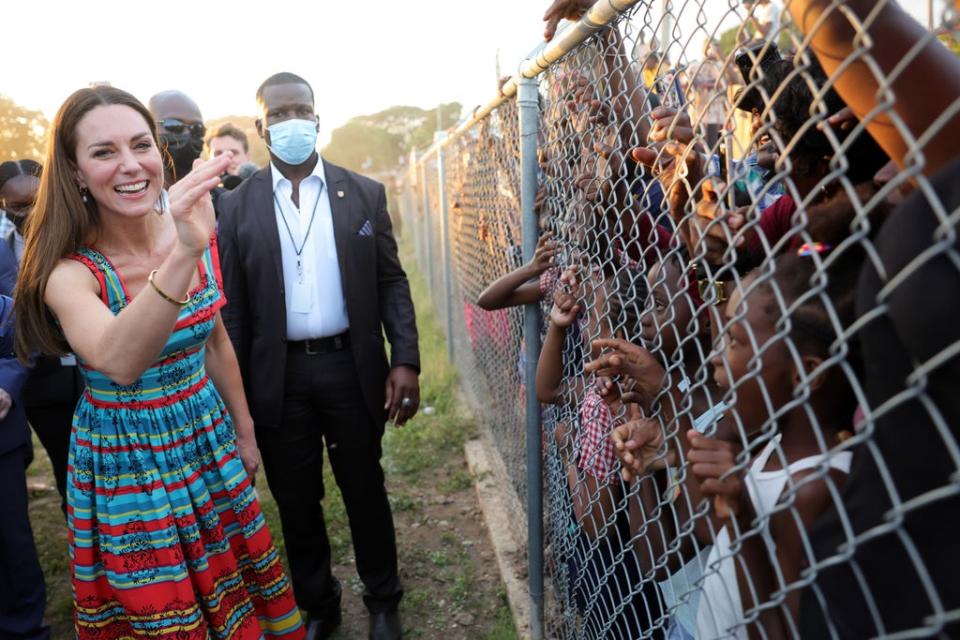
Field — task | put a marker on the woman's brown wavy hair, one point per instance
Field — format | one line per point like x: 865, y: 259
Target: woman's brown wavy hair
x: 61, y: 222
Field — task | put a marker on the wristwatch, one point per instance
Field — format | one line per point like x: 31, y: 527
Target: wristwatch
x: 712, y: 291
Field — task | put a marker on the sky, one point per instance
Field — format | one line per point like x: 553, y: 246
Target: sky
x: 361, y: 56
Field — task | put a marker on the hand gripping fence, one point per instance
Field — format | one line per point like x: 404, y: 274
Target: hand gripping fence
x: 698, y: 264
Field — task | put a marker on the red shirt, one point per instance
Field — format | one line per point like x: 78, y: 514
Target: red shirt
x: 775, y: 222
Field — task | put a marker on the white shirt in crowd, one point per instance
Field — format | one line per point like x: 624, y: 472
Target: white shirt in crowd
x: 767, y: 17
x: 6, y: 226
x: 720, y: 613
x: 313, y: 292
x: 18, y: 245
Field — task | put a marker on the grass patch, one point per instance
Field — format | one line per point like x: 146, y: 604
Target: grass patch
x: 458, y: 481
x: 503, y: 627
x: 462, y: 585
x: 439, y: 558
x: 401, y: 502
x: 449, y: 539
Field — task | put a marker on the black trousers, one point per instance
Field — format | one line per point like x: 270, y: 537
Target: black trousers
x: 323, y: 403
x: 52, y: 424
x: 22, y: 590
x: 50, y: 398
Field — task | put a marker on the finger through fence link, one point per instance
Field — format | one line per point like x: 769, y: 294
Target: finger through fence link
x: 749, y: 276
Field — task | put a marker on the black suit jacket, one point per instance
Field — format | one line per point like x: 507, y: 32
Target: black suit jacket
x: 374, y: 284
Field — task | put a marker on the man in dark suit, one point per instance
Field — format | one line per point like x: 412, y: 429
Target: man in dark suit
x: 313, y: 281
x: 22, y: 589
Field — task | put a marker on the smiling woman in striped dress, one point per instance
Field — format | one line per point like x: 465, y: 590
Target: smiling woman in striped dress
x: 166, y: 535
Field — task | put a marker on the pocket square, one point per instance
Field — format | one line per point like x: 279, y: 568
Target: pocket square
x: 366, y: 229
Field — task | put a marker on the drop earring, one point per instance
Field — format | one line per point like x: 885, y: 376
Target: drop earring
x: 83, y: 194
x: 161, y: 202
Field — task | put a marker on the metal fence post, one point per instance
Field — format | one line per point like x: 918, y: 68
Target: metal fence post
x: 428, y: 248
x: 445, y: 220
x: 421, y: 212
x: 527, y: 102
x: 410, y: 214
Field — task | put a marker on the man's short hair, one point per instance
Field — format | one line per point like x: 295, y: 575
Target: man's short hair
x: 284, y: 77
x: 231, y: 130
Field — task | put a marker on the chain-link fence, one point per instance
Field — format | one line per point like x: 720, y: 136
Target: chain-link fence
x: 745, y: 409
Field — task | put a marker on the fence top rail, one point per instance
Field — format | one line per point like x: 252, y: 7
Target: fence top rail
x: 600, y: 15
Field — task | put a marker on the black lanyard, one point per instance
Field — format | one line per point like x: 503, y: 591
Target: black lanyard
x: 306, y: 235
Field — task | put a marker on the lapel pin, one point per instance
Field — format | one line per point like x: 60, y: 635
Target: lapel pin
x: 339, y: 194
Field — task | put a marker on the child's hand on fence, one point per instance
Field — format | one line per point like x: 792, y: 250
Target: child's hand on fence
x: 540, y: 200
x: 618, y: 357
x: 576, y: 276
x: 609, y: 389
x: 671, y: 124
x: 577, y: 102
x: 715, y: 228
x: 561, y: 436
x: 610, y: 165
x: 678, y: 167
x: 543, y: 257
x: 640, y: 446
x: 565, y: 309
x: 563, y: 10
x: 608, y: 116
x: 565, y: 306
x: 672, y: 154
x: 616, y: 391
x: 712, y: 463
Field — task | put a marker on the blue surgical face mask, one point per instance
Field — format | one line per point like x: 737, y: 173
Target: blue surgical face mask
x: 293, y: 140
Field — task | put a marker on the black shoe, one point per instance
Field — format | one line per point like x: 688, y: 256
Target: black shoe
x: 385, y: 625
x: 320, y: 628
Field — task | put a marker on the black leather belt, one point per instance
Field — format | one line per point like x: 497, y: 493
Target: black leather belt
x: 314, y: 346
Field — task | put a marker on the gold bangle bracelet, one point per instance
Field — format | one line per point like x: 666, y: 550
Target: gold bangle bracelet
x: 163, y: 294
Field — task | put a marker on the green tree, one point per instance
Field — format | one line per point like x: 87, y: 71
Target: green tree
x: 376, y: 142
x: 22, y: 131
x: 364, y: 148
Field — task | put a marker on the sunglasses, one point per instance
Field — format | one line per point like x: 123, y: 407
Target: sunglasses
x: 177, y: 127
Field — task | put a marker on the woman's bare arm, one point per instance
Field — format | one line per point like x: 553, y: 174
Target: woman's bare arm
x: 904, y: 64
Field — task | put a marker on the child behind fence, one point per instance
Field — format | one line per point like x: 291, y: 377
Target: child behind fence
x: 660, y: 378
x: 792, y: 402
x: 603, y: 571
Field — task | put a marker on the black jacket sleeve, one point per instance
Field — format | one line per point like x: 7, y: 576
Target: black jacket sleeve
x: 234, y: 285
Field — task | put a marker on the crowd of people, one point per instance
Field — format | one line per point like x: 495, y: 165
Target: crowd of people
x: 747, y: 358
x: 166, y: 322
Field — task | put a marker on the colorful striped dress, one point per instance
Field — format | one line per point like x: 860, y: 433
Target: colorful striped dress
x: 166, y: 535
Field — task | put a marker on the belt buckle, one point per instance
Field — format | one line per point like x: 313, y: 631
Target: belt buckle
x: 307, y: 349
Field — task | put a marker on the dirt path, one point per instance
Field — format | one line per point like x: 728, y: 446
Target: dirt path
x: 452, y: 586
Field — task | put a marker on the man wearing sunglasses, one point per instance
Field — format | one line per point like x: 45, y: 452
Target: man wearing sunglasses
x: 181, y: 129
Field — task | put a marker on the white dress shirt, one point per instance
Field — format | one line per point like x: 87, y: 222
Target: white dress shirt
x: 313, y: 293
